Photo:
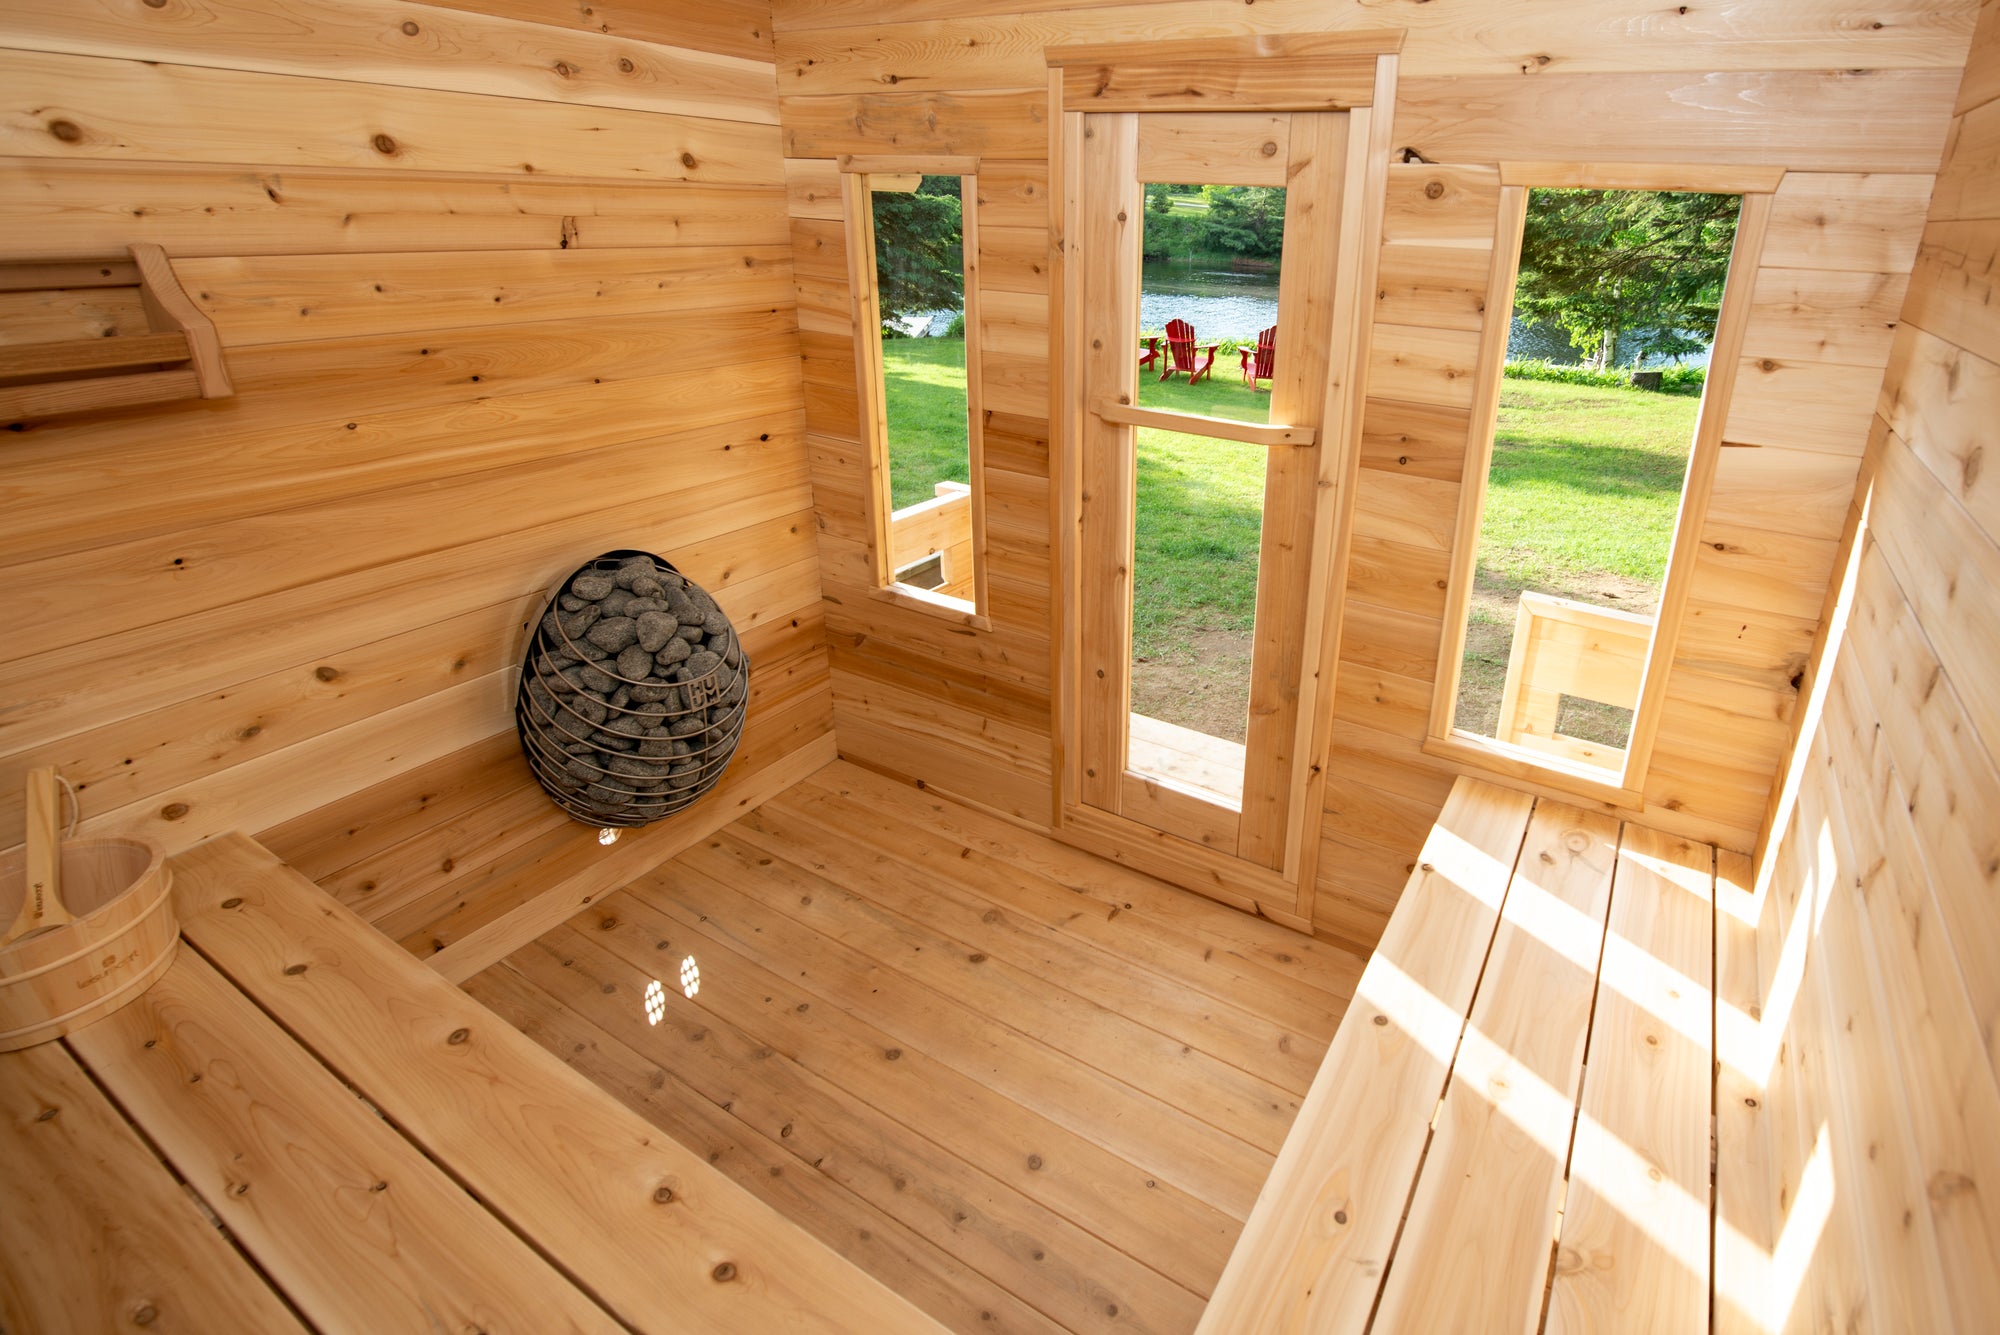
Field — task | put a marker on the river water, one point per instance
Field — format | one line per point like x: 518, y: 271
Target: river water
x: 1223, y: 303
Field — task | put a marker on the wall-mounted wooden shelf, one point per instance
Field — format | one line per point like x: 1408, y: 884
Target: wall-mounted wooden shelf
x: 177, y: 355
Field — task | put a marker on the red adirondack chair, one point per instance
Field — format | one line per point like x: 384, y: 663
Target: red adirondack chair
x: 1182, y: 349
x: 1257, y: 361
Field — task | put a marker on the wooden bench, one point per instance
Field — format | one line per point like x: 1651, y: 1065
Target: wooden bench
x: 1512, y: 1128
x: 384, y: 1153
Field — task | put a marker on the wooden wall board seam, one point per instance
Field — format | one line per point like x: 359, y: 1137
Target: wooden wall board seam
x: 228, y: 114
x: 380, y: 41
x: 969, y: 44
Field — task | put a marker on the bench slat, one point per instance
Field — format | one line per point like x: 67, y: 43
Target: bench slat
x: 654, y: 1232
x: 348, y: 1218
x: 1746, y: 1231
x: 1635, y: 1231
x: 1474, y: 1254
x: 95, y: 1234
x: 1313, y: 1252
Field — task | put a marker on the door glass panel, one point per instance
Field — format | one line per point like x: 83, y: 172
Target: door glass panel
x: 1208, y: 289
x: 1208, y: 316
x: 1197, y: 526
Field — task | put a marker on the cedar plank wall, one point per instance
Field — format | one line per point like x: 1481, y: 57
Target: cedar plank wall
x: 480, y: 271
x: 1855, y: 98
x: 1885, y: 857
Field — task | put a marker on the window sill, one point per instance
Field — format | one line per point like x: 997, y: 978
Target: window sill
x: 1519, y: 763
x: 942, y: 606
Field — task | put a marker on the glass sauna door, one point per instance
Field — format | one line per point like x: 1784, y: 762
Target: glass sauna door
x: 1210, y: 301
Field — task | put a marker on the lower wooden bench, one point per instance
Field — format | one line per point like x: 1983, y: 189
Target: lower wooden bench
x: 1512, y: 1129
x: 380, y: 1151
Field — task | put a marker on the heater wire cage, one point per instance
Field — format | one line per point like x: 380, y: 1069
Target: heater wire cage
x: 619, y: 725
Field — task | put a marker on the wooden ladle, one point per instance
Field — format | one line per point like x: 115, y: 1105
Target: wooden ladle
x: 41, y: 898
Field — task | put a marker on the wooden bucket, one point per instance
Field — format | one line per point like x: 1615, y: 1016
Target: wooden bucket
x: 122, y: 937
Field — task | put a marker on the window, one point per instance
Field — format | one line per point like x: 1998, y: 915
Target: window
x: 913, y: 245
x: 1574, y: 510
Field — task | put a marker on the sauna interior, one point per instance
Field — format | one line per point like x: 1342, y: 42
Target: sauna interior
x: 335, y: 334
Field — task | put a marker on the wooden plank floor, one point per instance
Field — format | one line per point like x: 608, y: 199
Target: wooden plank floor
x: 1027, y: 1089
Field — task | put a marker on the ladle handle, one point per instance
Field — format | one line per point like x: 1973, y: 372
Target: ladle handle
x: 41, y: 896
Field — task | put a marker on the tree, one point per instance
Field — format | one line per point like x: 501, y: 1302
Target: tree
x: 1605, y: 263
x: 1246, y: 220
x: 919, y: 249
x: 1159, y: 199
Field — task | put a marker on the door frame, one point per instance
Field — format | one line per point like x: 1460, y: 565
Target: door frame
x: 1351, y: 73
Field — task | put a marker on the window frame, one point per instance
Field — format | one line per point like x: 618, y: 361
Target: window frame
x: 1624, y: 786
x: 859, y: 227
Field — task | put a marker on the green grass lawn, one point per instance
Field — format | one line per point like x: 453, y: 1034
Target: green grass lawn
x: 1580, y: 503
x: 923, y: 380
x: 1200, y: 515
x: 1584, y: 489
x: 1584, y: 480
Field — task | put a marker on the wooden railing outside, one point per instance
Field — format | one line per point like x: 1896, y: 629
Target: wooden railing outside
x: 940, y: 527
x: 1569, y: 648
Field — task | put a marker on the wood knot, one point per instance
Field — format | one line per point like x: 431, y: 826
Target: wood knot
x: 1340, y: 1216
x: 723, y: 1273
x: 1381, y: 1019
x: 67, y: 131
x: 294, y: 970
x: 689, y: 161
x: 663, y: 1194
x: 145, y: 1314
x: 625, y: 66
x: 383, y: 143
x: 1034, y: 1163
x: 564, y: 69
x: 47, y: 1114
x: 1749, y: 1100
x: 1433, y: 189
x: 410, y: 28
x: 173, y: 811
x: 1943, y: 1186
x: 233, y: 902
x: 1269, y: 148
x: 893, y: 1054
x: 458, y: 1036
x: 156, y: 4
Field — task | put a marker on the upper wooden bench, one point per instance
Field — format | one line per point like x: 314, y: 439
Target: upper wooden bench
x: 391, y: 1155
x: 1527, y: 1060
